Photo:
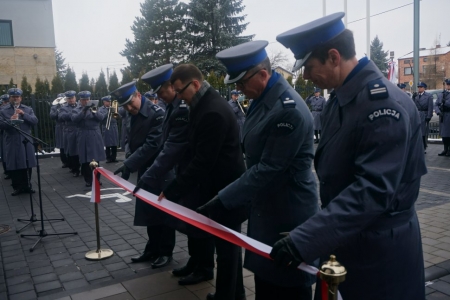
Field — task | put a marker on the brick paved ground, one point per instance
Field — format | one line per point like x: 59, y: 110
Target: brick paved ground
x: 57, y: 268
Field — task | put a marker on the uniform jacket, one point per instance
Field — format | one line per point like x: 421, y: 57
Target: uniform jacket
x: 278, y: 146
x: 144, y: 132
x: 59, y: 127
x: 111, y: 135
x: 123, y: 131
x: 69, y: 131
x: 424, y: 104
x: 14, y: 151
x: 369, y: 162
x: 89, y: 137
x: 240, y: 115
x: 214, y: 158
x: 443, y: 111
x: 316, y: 104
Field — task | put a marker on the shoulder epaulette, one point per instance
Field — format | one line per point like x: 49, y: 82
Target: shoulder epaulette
x: 287, y: 100
x: 377, y: 90
x: 183, y: 104
x: 156, y: 107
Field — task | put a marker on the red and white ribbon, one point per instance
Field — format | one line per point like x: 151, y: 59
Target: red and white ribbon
x: 193, y: 218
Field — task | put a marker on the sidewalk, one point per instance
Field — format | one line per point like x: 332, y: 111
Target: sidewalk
x: 57, y: 269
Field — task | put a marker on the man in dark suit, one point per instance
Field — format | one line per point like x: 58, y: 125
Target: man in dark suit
x: 424, y: 104
x: 144, y: 124
x: 214, y: 160
x: 278, y: 143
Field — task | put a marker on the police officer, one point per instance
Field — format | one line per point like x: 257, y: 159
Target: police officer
x: 59, y: 127
x: 111, y: 135
x: 89, y: 137
x: 369, y: 163
x: 70, y: 133
x: 153, y: 97
x: 238, y: 110
x: 19, y: 160
x: 123, y: 128
x: 279, y: 183
x: 442, y: 109
x: 316, y: 102
x: 402, y: 86
x: 173, y: 145
x: 4, y: 101
x: 424, y: 104
x: 144, y: 122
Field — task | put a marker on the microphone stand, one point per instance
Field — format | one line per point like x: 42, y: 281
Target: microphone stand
x: 42, y: 233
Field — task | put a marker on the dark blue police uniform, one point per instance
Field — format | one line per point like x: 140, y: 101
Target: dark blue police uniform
x: 111, y: 135
x: 70, y: 135
x: 369, y: 163
x: 59, y: 127
x: 442, y: 109
x: 424, y: 104
x: 4, y: 101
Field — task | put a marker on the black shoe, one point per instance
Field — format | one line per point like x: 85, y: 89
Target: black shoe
x: 194, y: 278
x: 210, y: 296
x: 443, y: 153
x: 88, y: 184
x: 28, y: 190
x: 161, y: 261
x: 7, y: 176
x: 144, y: 257
x: 17, y: 192
x: 316, y: 141
x: 76, y: 174
x: 448, y: 153
x: 183, y: 271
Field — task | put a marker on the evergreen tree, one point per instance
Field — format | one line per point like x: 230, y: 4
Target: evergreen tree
x: 113, y: 82
x: 84, y: 83
x: 158, y: 36
x: 101, y: 88
x: 289, y: 80
x: 57, y: 85
x: 11, y: 84
x: 39, y: 88
x: 378, y: 56
x: 212, y: 26
x: 25, y: 87
x: 215, y: 80
x: 92, y: 84
x: 70, y: 81
x: 61, y: 67
x: 126, y: 76
x: 303, y: 87
x: 46, y: 87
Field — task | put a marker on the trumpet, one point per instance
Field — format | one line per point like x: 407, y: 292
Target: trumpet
x: 112, y: 113
x: 59, y: 101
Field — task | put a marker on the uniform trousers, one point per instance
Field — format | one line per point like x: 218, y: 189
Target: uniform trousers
x: 5, y: 171
x: 86, y: 171
x: 446, y: 142
x: 161, y: 240
x: 265, y: 290
x: 74, y: 163
x: 111, y: 153
x: 63, y: 156
x: 19, y: 179
x: 201, y: 251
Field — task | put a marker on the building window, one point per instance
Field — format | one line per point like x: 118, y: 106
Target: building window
x: 425, y: 59
x: 408, y: 71
x: 6, y: 36
x: 406, y: 61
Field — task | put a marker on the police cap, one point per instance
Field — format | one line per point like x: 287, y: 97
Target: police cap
x: 70, y: 94
x: 241, y: 58
x: 317, y: 90
x: 422, y: 84
x: 401, y: 85
x: 306, y: 38
x: 124, y: 93
x: 4, y: 98
x: 15, y: 92
x: 106, y: 98
x: 84, y: 94
x: 234, y: 92
x: 157, y: 77
x: 447, y: 81
x: 151, y: 95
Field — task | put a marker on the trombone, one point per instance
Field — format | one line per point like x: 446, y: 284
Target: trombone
x: 113, y: 112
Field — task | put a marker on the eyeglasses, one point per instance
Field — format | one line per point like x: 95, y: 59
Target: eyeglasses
x: 243, y: 82
x: 183, y: 89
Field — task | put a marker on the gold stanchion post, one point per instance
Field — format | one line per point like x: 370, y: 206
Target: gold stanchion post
x: 333, y: 273
x: 98, y: 254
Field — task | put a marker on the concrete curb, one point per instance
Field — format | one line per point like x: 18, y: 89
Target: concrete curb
x: 437, y: 271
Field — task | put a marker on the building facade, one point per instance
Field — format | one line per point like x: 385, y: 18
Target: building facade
x: 27, y: 41
x: 434, y: 67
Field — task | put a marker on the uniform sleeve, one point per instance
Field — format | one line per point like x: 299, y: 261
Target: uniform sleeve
x: 64, y: 115
x: 100, y: 114
x: 150, y: 147
x: 211, y: 132
x: 77, y: 115
x: 430, y: 107
x: 286, y: 137
x: 437, y: 109
x: 173, y: 148
x: 379, y: 163
x: 54, y: 113
x: 29, y: 117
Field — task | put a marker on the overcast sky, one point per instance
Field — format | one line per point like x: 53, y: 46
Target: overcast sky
x: 91, y: 33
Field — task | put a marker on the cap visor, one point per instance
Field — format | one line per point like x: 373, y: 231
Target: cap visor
x: 129, y: 99
x: 300, y: 62
x: 229, y: 80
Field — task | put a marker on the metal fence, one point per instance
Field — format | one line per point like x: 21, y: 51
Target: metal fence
x: 45, y: 129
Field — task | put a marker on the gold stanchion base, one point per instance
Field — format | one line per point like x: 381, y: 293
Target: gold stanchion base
x: 99, y: 255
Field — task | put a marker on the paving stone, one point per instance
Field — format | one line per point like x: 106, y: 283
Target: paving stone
x: 47, y: 286
x: 59, y: 256
x: 24, y: 296
x: 96, y: 275
x: 39, y: 264
x: 91, y: 268
x: 69, y: 285
x: 15, y: 265
x: 66, y: 269
x: 122, y: 273
x: 441, y: 286
x: 19, y: 288
x: 71, y: 276
x: 63, y: 262
x: 116, y: 266
x: 100, y: 292
x: 122, y: 296
x: 44, y: 278
x: 152, y: 285
x: 17, y: 272
x: 127, y: 253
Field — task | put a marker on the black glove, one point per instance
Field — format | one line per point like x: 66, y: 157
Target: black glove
x: 414, y: 94
x: 212, y: 205
x: 125, y: 172
x: 427, y: 120
x: 139, y: 185
x: 86, y: 108
x: 128, y: 154
x: 285, y: 254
